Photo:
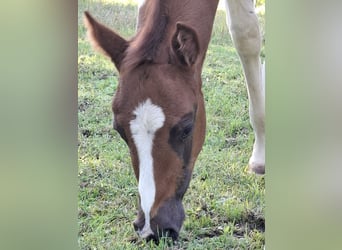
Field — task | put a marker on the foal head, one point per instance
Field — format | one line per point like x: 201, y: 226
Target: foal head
x: 159, y: 112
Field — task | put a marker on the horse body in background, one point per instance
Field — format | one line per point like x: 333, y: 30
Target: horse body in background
x: 159, y: 107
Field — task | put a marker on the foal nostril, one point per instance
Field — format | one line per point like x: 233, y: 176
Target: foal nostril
x: 139, y: 222
x: 167, y: 222
x: 135, y: 225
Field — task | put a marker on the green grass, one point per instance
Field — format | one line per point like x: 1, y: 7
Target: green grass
x: 224, y: 204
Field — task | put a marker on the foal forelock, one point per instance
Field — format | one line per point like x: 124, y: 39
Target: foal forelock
x: 148, y: 119
x: 152, y: 26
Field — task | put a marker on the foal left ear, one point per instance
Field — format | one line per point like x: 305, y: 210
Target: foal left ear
x: 105, y: 40
x: 185, y: 44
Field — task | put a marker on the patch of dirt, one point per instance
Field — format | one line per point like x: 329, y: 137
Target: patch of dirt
x: 250, y: 223
x: 86, y: 133
x: 83, y: 105
x: 83, y: 214
x: 84, y: 184
x: 101, y: 75
x: 256, y: 221
x: 240, y: 131
x: 231, y: 141
x: 214, y: 232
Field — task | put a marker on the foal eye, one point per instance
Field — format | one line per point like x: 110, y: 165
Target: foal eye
x: 186, y: 132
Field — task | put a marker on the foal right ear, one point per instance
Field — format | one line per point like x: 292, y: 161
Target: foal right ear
x: 185, y: 44
x: 105, y: 40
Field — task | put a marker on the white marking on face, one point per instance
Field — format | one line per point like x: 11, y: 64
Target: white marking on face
x: 148, y: 119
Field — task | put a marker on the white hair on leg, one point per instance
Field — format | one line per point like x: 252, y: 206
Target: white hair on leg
x: 244, y: 29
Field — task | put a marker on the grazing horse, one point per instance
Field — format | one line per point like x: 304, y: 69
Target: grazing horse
x: 158, y: 106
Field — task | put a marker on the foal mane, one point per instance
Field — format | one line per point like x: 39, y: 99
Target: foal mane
x: 144, y: 46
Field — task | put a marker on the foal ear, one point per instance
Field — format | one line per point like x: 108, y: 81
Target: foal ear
x: 105, y: 40
x: 185, y: 44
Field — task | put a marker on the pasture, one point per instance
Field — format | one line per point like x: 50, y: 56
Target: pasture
x: 224, y: 204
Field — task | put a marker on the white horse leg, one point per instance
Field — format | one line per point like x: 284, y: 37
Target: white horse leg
x: 244, y: 29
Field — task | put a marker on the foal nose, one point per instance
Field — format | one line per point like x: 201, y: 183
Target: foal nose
x: 166, y: 223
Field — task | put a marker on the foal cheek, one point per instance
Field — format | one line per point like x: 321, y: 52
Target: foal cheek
x: 199, y: 132
x: 135, y: 161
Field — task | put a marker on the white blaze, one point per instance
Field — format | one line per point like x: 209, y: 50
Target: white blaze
x: 148, y: 119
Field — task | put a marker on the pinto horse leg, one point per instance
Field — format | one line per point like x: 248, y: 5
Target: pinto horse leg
x: 244, y: 29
